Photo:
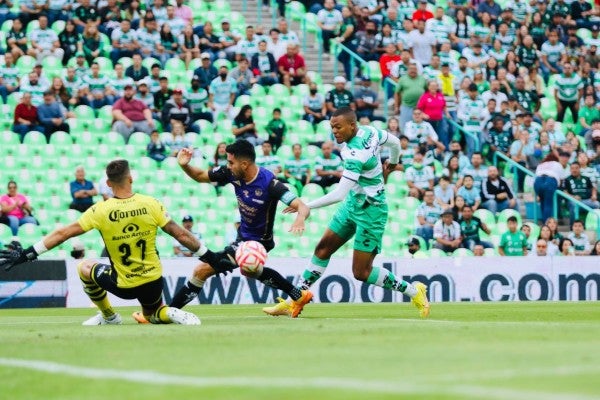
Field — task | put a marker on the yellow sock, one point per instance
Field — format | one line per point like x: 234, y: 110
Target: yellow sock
x: 97, y: 295
x: 159, y: 316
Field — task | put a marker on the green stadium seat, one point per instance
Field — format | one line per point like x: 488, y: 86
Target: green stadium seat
x: 421, y: 254
x: 61, y: 138
x: 437, y: 253
x: 462, y: 253
x: 486, y: 216
x: 58, y: 26
x: 34, y: 138
x: 279, y: 92
x: 52, y: 65
x: 9, y: 137
x: 30, y: 233
x: 139, y: 139
x: 149, y: 61
x: 592, y: 221
x: 242, y: 100
x: 312, y: 191
x: 396, y: 177
x: 25, y: 64
x: 126, y: 62
x: 257, y: 91
x: 6, y: 26
x: 503, y: 216
x: 295, y: 10
x: 300, y: 90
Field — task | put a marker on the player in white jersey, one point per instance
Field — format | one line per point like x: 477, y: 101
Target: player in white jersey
x: 363, y: 214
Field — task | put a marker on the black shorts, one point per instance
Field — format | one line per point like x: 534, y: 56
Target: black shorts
x: 225, y: 259
x: 149, y: 294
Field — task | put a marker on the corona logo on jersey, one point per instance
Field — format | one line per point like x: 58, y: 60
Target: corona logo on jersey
x: 117, y: 215
x: 251, y: 257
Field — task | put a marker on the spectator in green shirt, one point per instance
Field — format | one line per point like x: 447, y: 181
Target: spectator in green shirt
x: 409, y: 90
x: 588, y: 113
x: 276, y: 128
x: 513, y: 242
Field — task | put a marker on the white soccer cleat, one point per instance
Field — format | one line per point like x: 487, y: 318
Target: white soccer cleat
x: 98, y: 319
x: 181, y: 317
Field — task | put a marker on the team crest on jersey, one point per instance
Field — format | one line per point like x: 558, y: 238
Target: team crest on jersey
x: 258, y: 192
x: 246, y: 193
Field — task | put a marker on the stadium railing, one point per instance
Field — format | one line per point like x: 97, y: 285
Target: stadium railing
x: 259, y: 11
x: 339, y: 48
x: 579, y: 204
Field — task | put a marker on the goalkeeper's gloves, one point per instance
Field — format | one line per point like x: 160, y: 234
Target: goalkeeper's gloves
x: 15, y: 255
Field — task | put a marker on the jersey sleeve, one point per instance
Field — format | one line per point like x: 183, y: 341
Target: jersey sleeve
x: 159, y: 213
x: 220, y: 175
x: 281, y: 192
x: 88, y: 219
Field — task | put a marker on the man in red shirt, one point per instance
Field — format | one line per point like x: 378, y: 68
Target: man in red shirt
x: 422, y: 14
x: 386, y: 62
x: 292, y: 67
x: 131, y: 115
x: 26, y: 117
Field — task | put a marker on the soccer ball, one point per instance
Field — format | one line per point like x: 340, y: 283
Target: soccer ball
x: 251, y: 257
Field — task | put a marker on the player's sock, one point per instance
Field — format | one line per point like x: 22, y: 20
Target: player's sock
x: 189, y: 291
x: 159, y: 316
x: 313, y: 272
x: 387, y: 280
x: 272, y: 278
x: 98, y: 297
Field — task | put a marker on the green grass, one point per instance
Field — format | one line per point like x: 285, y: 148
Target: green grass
x: 343, y: 351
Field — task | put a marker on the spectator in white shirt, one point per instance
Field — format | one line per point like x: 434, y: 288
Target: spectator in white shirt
x: 541, y: 249
x: 422, y: 43
x: 44, y: 41
x: 446, y: 233
x: 548, y: 175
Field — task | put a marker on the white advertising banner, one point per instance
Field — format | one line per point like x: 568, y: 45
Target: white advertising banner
x: 449, y: 279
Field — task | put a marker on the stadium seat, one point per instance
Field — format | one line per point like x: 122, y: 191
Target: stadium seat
x: 279, y: 92
x: 257, y: 91
x: 25, y: 64
x: 139, y: 139
x: 503, y: 216
x: 52, y: 65
x: 592, y: 221
x: 437, y: 253
x: 486, y: 216
x: 462, y: 253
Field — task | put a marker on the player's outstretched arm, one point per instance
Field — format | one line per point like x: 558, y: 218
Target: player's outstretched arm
x: 183, y: 236
x: 392, y: 143
x: 11, y: 258
x: 183, y: 158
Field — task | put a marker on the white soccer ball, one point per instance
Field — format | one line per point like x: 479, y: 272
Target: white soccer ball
x: 251, y: 256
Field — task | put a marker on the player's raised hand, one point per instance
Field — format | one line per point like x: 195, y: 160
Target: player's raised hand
x: 15, y: 255
x: 185, y: 156
x: 297, y: 227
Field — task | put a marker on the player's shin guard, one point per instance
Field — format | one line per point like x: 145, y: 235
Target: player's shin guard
x: 98, y: 297
x: 188, y: 292
x: 272, y: 278
x: 387, y: 280
x: 313, y: 272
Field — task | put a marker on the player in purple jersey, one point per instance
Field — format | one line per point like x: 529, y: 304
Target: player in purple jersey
x: 257, y: 191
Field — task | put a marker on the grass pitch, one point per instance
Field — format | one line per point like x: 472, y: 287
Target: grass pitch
x: 342, y: 351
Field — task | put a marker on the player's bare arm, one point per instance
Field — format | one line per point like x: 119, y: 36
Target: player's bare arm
x: 182, y: 235
x: 303, y: 211
x: 183, y: 158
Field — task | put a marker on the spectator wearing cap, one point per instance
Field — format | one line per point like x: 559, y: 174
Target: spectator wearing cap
x: 329, y: 20
x: 339, y: 97
x: 177, y: 109
x: 366, y: 100
x: 51, y: 115
x: 206, y: 72
x: 263, y: 65
x: 413, y: 245
x: 197, y: 99
x: 190, y: 45
x: 178, y: 249
x: 446, y: 233
x: 82, y: 191
x: 496, y: 192
x: 221, y: 94
x: 243, y: 76
x: 26, y: 117
x: 131, y: 115
x: 292, y: 67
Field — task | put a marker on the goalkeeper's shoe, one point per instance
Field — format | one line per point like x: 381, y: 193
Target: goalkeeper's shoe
x: 296, y: 306
x: 281, y: 308
x: 139, y: 317
x: 181, y: 317
x: 99, y: 319
x: 420, y: 300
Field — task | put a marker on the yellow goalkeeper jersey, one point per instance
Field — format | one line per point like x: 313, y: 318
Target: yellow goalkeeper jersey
x: 128, y: 228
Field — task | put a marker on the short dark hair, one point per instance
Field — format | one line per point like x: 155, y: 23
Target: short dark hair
x: 345, y: 112
x: 155, y: 65
x: 578, y: 221
x: 162, y: 78
x: 512, y: 218
x: 468, y: 176
x: 241, y: 150
x: 117, y: 171
x: 277, y: 109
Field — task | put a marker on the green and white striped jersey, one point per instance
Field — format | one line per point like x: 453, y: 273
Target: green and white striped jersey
x: 271, y: 163
x: 471, y: 113
x: 363, y: 166
x: 298, y: 168
x: 553, y: 52
x: 567, y: 87
x: 333, y: 163
x: 10, y: 75
x: 96, y: 84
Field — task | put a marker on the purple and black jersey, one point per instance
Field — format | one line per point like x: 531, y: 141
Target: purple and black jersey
x: 257, y: 202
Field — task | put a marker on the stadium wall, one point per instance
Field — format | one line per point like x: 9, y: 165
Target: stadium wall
x: 56, y: 283
x: 449, y: 279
